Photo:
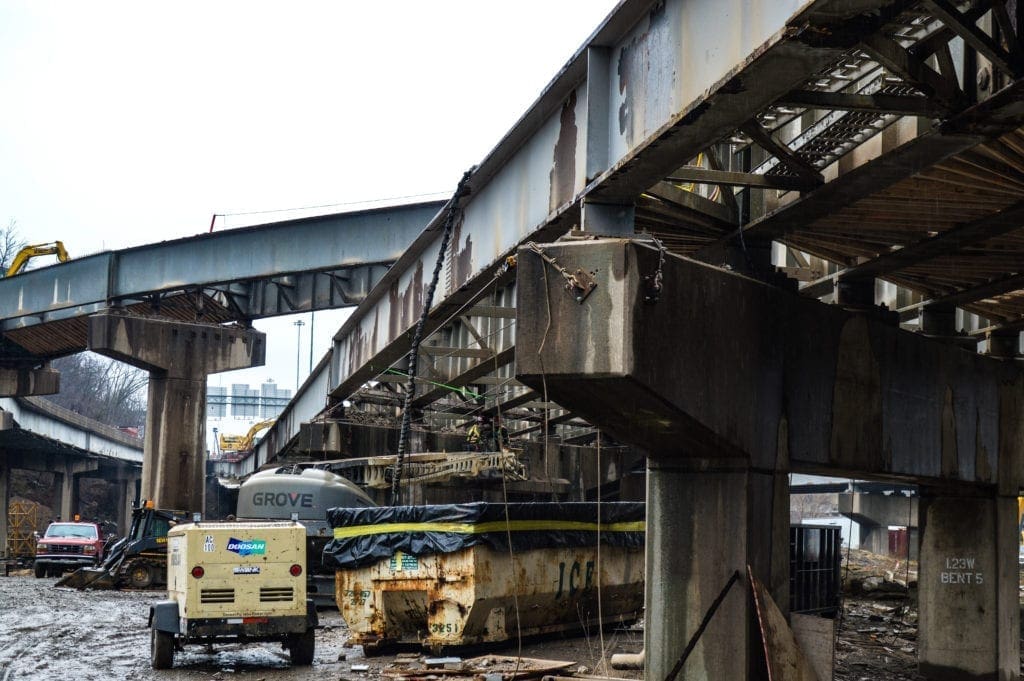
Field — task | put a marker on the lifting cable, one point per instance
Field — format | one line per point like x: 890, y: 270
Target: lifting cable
x: 410, y: 393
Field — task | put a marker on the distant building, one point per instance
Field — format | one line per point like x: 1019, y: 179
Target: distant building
x: 273, y: 399
x: 246, y: 402
x: 216, y: 402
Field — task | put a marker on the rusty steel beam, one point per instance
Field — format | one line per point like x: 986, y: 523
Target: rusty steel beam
x: 914, y: 71
x: 903, y: 105
x: 467, y: 377
x: 726, y: 178
x: 787, y: 156
x: 564, y: 152
x: 967, y: 29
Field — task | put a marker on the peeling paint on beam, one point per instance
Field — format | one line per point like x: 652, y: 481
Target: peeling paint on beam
x: 653, y: 109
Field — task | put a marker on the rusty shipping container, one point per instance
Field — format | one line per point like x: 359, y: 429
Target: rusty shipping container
x: 450, y: 576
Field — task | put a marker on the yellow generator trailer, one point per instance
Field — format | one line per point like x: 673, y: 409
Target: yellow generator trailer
x: 234, y: 582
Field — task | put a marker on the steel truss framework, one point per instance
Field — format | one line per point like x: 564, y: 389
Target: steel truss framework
x: 868, y: 140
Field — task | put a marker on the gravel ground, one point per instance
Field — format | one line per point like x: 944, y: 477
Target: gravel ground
x: 59, y: 633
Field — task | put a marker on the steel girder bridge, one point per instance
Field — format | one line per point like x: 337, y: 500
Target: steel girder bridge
x: 867, y: 153
x: 234, y: 275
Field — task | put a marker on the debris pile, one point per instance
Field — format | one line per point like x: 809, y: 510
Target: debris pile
x: 877, y: 637
x: 877, y: 642
x: 871, y: 575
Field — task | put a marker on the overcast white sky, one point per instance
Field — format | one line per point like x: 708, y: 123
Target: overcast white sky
x: 132, y: 122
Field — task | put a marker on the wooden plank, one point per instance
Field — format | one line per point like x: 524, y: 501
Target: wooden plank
x: 786, y: 661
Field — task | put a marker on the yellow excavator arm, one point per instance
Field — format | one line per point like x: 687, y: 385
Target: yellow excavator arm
x: 36, y: 250
x: 243, y: 443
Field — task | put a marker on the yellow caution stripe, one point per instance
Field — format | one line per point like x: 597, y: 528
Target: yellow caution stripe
x: 490, y: 526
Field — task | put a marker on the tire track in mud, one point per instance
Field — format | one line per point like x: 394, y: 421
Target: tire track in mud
x: 58, y: 633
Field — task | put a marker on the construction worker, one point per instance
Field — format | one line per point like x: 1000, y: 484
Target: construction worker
x: 478, y: 433
x: 499, y: 434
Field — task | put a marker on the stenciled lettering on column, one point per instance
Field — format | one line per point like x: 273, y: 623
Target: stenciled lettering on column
x: 961, y: 570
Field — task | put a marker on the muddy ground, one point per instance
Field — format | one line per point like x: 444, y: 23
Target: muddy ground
x: 59, y: 633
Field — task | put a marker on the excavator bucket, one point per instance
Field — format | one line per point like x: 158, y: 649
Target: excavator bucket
x: 89, y: 578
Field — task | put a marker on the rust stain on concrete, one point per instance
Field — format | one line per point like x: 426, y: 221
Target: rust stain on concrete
x: 857, y: 401
x: 948, y: 436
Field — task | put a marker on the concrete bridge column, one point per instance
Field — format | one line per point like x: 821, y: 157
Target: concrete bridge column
x: 73, y: 470
x: 178, y: 357
x: 124, y: 498
x: 969, y: 626
x: 68, y: 492
x: 707, y: 518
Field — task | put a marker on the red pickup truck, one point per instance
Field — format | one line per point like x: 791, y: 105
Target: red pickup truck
x: 68, y: 546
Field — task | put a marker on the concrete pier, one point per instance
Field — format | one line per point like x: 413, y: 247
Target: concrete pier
x: 178, y: 357
x: 969, y: 626
x: 692, y: 553
x: 731, y: 383
x: 875, y: 513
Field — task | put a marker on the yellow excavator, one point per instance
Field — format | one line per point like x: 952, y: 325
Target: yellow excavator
x: 34, y: 251
x: 234, y: 448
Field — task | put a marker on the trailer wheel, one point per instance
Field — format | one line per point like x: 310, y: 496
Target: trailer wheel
x: 140, y: 575
x: 161, y: 649
x: 301, y: 648
x: 40, y: 571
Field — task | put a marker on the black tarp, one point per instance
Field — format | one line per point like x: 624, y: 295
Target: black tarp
x: 363, y: 536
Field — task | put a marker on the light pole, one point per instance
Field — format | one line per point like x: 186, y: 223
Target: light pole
x: 312, y: 319
x: 298, y: 350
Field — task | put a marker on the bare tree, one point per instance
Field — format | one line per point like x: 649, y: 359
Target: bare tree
x: 10, y: 243
x: 102, y: 389
x: 802, y: 506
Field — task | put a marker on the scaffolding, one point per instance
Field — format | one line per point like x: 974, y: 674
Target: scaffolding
x: 23, y: 522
